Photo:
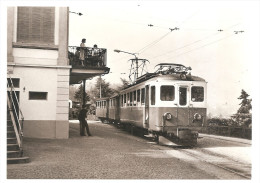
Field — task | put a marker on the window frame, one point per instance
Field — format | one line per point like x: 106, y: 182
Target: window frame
x: 143, y: 96
x: 186, y: 98
x: 134, y: 98
x: 138, y: 98
x: 203, y: 93
x: 15, y: 81
x: 153, y: 95
x: 34, y: 92
x: 174, y: 95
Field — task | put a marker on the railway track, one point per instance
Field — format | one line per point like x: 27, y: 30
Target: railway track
x: 239, y: 169
x: 234, y: 167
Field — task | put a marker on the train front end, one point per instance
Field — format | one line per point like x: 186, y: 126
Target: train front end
x: 177, y: 108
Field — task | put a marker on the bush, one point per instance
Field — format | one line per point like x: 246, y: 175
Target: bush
x: 217, y: 121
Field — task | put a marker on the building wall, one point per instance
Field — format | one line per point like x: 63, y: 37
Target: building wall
x: 43, y: 69
x: 41, y: 57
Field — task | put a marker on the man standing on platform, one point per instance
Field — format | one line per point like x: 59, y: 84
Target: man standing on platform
x: 83, y: 122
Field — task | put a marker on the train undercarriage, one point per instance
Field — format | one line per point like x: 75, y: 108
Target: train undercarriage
x: 180, y: 137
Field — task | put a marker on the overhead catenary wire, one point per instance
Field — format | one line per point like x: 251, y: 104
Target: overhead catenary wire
x: 213, y: 42
x: 152, y: 43
x: 171, y: 29
x: 142, y: 50
x: 142, y: 23
x: 187, y: 45
x: 197, y: 41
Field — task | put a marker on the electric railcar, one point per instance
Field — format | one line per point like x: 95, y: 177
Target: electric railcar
x: 167, y: 103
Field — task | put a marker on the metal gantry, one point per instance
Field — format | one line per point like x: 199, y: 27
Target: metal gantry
x: 136, y: 67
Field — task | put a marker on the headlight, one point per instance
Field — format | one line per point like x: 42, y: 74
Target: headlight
x: 167, y: 116
x: 197, y: 116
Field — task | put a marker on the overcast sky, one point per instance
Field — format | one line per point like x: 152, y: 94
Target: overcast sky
x: 229, y: 62
x: 223, y: 58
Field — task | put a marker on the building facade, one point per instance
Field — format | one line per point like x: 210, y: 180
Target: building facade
x: 37, y: 60
x: 37, y: 52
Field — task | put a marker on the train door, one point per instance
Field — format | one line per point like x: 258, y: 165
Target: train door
x: 146, y: 123
x: 117, y: 108
x: 107, y: 103
x: 183, y: 110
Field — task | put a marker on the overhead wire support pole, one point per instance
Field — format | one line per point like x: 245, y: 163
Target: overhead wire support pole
x: 134, y: 69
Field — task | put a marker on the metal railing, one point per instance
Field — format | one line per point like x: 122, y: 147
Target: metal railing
x: 87, y: 57
x: 15, y: 110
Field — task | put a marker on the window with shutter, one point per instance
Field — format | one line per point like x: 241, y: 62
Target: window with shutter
x: 35, y: 25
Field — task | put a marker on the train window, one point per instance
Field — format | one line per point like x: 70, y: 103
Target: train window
x: 128, y: 101
x: 131, y: 99
x: 197, y: 94
x: 138, y: 95
x: 153, y: 95
x: 142, y: 96
x: 167, y: 93
x: 134, y: 95
x: 183, y: 96
x: 124, y: 98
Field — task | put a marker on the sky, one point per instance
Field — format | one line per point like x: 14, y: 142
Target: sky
x: 224, y: 59
x: 229, y: 62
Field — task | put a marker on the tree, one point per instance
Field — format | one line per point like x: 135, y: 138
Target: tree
x: 245, y: 103
x: 125, y: 83
x: 243, y: 117
x: 106, y: 90
x: 79, y: 94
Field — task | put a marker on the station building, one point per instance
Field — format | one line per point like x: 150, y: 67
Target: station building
x: 41, y: 66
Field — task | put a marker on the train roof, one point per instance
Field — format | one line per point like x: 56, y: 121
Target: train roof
x: 103, y: 98
x: 172, y: 76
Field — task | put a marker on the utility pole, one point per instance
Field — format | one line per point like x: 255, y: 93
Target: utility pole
x: 134, y: 70
x: 100, y: 93
x: 84, y: 94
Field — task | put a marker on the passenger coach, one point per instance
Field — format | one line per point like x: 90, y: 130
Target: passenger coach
x: 164, y: 103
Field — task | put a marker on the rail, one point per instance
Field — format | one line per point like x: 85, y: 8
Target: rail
x: 15, y: 110
x: 87, y: 57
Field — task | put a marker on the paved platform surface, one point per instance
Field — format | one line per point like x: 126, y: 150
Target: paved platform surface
x: 109, y: 154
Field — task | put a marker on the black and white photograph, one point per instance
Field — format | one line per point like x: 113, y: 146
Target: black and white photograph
x: 130, y: 90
